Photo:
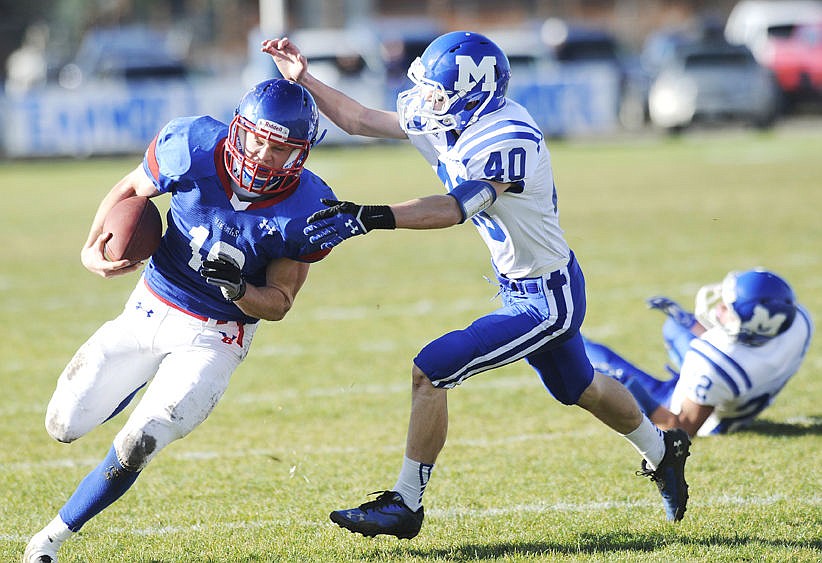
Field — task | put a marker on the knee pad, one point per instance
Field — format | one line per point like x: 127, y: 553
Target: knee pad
x: 441, y: 359
x: 66, y: 423
x: 565, y: 370
x: 59, y: 428
x: 137, y: 446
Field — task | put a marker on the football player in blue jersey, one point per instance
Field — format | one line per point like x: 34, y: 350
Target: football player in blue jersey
x: 729, y: 358
x: 492, y: 158
x: 233, y: 252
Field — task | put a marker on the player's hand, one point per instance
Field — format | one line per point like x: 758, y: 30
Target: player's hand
x: 290, y: 62
x: 358, y: 219
x: 225, y: 273
x: 342, y: 220
x: 324, y: 234
x: 673, y: 310
x: 94, y: 259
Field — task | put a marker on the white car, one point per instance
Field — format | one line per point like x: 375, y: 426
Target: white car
x: 713, y: 82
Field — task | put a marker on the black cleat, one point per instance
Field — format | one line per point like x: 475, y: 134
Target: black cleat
x: 387, y: 514
x: 670, y: 475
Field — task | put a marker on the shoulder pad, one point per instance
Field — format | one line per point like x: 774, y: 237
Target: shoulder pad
x: 187, y: 145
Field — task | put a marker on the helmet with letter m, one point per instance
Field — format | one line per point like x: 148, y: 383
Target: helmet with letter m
x: 274, y: 110
x: 752, y: 306
x: 460, y: 77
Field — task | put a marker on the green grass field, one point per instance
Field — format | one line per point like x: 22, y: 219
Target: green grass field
x: 315, y: 418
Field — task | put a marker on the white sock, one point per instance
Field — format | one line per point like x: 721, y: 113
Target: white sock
x: 412, y: 481
x: 58, y: 530
x: 648, y: 441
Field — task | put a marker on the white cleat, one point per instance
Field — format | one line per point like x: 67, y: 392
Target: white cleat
x: 41, y: 549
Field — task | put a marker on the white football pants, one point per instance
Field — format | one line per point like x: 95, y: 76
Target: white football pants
x: 187, y: 360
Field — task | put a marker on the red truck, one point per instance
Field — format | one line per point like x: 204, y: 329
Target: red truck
x: 796, y: 61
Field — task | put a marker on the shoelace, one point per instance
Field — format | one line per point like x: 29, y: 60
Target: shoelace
x: 385, y: 498
x: 648, y: 472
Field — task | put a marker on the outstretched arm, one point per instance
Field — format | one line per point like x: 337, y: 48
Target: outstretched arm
x: 347, y: 113
x: 344, y: 219
x: 675, y: 311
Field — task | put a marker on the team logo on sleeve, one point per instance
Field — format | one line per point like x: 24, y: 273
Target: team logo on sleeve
x: 268, y: 227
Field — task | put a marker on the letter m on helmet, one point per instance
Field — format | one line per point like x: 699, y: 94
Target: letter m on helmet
x: 471, y: 73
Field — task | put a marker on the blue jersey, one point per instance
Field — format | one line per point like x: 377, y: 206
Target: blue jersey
x: 206, y: 218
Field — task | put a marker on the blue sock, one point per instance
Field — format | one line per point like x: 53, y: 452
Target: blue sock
x: 106, y: 483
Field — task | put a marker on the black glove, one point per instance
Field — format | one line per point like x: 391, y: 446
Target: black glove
x: 366, y: 217
x: 225, y: 273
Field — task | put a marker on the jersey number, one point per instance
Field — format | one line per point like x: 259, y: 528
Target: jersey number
x: 198, y: 238
x: 495, y: 170
x: 516, y: 165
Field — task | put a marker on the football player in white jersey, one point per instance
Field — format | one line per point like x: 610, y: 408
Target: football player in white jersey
x: 494, y: 163
x: 729, y: 359
x: 233, y: 252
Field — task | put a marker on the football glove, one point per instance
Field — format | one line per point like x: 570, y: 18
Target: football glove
x: 354, y: 219
x: 225, y: 273
x: 673, y: 310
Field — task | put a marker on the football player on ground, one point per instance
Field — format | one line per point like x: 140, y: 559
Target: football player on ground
x: 233, y: 253
x: 729, y: 359
x: 495, y: 165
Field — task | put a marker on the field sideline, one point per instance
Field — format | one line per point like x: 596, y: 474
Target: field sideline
x: 315, y: 418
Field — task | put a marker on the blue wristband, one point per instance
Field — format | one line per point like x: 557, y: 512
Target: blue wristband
x: 647, y: 403
x: 473, y: 196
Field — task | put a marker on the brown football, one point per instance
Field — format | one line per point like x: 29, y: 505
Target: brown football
x: 136, y: 228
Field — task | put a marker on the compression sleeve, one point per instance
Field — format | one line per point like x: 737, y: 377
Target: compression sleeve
x: 473, y: 196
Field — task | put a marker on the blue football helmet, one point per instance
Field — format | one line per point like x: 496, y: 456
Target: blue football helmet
x: 760, y: 304
x: 460, y: 77
x: 274, y: 110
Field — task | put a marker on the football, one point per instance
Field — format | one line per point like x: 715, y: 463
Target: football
x: 136, y: 228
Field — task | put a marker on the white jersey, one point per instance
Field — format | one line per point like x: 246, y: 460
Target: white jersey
x: 739, y: 381
x: 521, y: 228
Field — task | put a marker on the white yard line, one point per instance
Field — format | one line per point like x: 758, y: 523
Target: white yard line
x: 445, y: 514
x: 302, y: 449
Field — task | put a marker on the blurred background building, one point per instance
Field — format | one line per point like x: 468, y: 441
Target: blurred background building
x: 104, y: 74
x: 217, y: 29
